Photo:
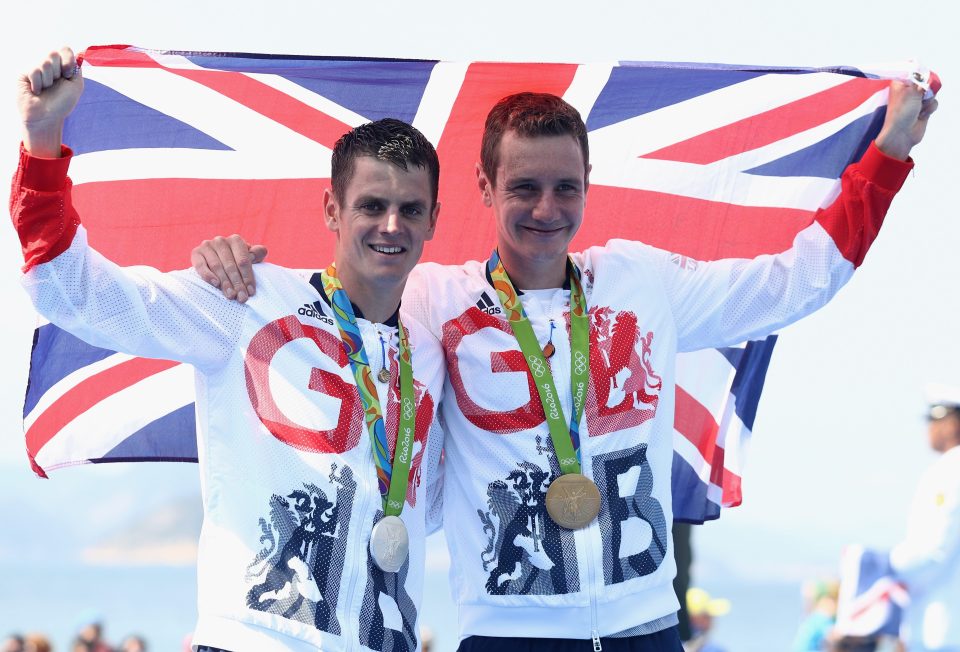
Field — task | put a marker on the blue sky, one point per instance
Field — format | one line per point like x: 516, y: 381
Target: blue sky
x: 839, y: 439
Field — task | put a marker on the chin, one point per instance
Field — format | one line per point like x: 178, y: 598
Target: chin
x: 546, y: 252
x: 392, y: 272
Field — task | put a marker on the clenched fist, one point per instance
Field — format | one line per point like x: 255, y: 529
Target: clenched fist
x: 45, y: 96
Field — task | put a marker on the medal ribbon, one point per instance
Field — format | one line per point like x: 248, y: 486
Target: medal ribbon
x: 393, y: 476
x: 566, y: 441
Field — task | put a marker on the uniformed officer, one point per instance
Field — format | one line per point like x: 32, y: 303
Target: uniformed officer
x: 928, y: 558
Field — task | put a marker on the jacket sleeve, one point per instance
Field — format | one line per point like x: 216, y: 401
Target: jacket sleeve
x: 932, y: 544
x: 436, y: 474
x: 136, y: 310
x: 731, y: 300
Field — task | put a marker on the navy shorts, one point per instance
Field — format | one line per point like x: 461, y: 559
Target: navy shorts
x: 667, y: 640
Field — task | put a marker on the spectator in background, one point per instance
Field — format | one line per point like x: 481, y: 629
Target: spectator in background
x: 820, y: 605
x: 702, y: 609
x: 36, y: 643
x: 13, y: 643
x: 133, y: 643
x: 426, y: 639
x: 865, y: 644
x: 90, y: 636
x: 852, y: 644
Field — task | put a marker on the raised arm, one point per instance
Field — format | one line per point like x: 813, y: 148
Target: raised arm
x: 134, y: 310
x: 730, y: 300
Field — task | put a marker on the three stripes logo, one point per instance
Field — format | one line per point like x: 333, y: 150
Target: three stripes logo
x: 486, y: 304
x: 314, y: 310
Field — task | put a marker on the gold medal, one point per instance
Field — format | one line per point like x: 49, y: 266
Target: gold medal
x: 573, y: 501
x: 384, y: 375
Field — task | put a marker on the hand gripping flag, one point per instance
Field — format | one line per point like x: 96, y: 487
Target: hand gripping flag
x: 707, y: 161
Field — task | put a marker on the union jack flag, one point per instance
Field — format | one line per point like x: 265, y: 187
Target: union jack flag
x: 871, y: 600
x: 707, y: 161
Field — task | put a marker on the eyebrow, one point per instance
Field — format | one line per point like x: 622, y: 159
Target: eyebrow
x: 366, y: 199
x: 508, y: 180
x: 414, y: 204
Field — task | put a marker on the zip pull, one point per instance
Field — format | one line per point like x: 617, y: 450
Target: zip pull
x: 596, y: 641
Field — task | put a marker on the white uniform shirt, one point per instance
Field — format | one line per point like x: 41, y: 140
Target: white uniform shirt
x: 928, y: 559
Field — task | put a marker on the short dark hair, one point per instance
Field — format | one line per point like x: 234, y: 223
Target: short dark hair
x: 389, y: 140
x: 530, y: 115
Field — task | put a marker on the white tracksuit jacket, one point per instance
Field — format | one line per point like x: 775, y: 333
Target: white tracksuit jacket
x: 514, y: 572
x: 288, y: 480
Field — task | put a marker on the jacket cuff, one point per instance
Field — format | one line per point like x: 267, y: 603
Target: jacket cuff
x: 44, y: 174
x: 885, y: 171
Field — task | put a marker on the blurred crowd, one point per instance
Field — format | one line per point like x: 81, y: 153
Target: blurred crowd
x: 89, y: 638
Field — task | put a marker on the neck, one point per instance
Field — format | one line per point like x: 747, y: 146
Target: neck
x: 378, y: 303
x: 535, y: 275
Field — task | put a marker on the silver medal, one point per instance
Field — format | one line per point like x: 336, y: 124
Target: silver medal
x: 389, y: 544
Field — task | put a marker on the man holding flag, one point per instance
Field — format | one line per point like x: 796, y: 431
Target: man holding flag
x: 315, y: 511
x: 560, y: 398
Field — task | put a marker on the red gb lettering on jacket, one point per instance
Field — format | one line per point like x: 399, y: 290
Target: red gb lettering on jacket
x: 469, y: 325
x: 260, y: 354
x: 624, y: 389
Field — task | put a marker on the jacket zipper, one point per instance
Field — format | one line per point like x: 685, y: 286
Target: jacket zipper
x: 591, y: 569
x: 591, y: 566
x: 360, y: 557
x: 591, y: 578
x: 559, y: 304
x: 360, y: 551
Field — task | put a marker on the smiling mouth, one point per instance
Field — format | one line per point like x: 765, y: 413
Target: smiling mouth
x: 390, y: 250
x: 544, y: 231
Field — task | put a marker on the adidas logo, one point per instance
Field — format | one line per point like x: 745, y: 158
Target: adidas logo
x: 487, y: 305
x: 313, y: 310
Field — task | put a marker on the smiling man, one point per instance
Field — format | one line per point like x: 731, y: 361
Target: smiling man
x: 559, y: 403
x: 319, y: 455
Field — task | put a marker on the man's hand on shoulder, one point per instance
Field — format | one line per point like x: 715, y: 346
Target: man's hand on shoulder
x: 906, y: 121
x: 227, y: 263
x: 46, y: 95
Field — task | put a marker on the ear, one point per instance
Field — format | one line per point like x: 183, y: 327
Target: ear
x: 434, y: 214
x: 586, y: 177
x: 485, y: 186
x: 331, y: 210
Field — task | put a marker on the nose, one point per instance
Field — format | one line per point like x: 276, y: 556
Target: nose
x: 392, y: 222
x: 545, y: 209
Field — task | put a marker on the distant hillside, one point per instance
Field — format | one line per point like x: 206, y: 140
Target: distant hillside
x: 86, y: 507
x: 165, y: 535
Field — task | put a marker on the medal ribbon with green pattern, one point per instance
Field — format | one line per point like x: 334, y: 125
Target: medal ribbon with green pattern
x: 392, y: 475
x: 566, y: 441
